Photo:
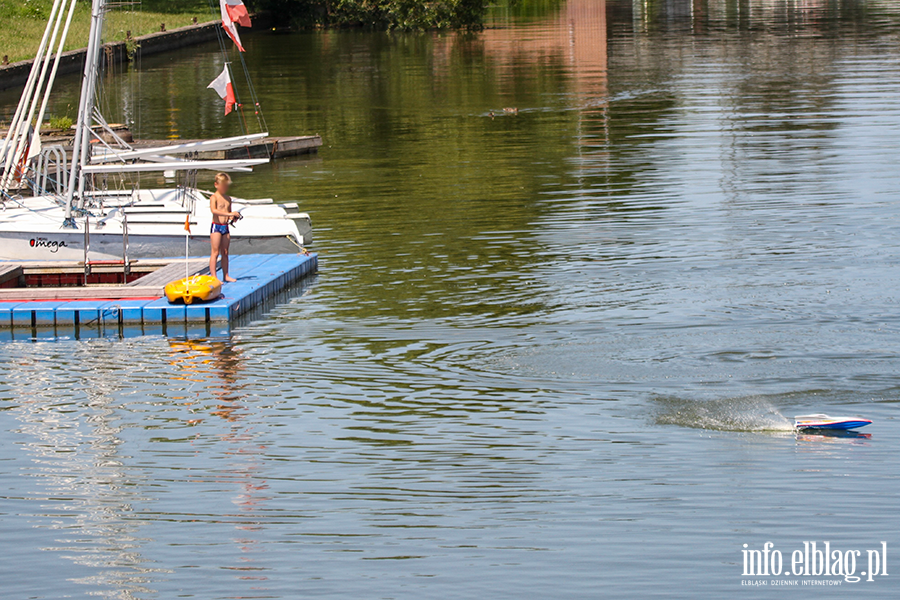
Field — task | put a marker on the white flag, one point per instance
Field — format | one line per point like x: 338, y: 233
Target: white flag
x: 223, y: 87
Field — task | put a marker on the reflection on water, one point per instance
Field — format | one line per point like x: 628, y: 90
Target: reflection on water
x: 96, y: 498
x: 836, y: 436
x: 216, y: 365
x: 550, y: 351
x: 83, y: 487
x: 196, y: 360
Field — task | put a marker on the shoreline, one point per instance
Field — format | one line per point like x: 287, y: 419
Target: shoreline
x: 72, y: 61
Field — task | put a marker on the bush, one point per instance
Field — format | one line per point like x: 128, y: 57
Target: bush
x: 60, y: 122
x: 379, y: 14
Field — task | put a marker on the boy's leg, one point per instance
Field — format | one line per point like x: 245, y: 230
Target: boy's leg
x: 226, y: 243
x: 215, y: 239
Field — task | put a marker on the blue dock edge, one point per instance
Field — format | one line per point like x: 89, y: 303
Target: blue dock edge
x: 259, y: 277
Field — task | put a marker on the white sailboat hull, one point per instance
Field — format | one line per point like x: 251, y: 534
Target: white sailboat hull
x: 69, y: 246
x: 33, y: 229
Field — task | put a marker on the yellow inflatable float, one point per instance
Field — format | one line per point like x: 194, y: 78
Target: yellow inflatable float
x: 198, y: 287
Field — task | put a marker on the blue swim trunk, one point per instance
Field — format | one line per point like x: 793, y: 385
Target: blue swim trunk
x: 219, y: 228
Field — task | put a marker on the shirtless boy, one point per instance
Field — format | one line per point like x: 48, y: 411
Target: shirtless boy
x: 222, y: 215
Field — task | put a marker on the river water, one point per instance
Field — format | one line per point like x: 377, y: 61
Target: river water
x: 550, y: 353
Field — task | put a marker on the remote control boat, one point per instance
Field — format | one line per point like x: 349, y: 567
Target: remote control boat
x: 820, y: 421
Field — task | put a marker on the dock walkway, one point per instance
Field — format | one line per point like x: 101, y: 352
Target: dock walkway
x: 259, y: 276
x: 171, y: 272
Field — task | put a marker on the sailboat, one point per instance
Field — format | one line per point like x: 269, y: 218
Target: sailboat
x: 53, y: 207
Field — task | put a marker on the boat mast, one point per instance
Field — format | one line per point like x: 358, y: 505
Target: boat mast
x: 81, y: 143
x: 36, y: 140
x: 17, y: 134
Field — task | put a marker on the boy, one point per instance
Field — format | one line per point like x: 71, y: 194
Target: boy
x: 219, y: 237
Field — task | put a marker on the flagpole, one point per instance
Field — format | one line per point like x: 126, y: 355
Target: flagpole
x: 187, y: 238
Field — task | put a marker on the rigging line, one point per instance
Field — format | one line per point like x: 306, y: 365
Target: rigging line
x: 136, y: 58
x: 224, y: 44
x: 220, y: 36
x: 133, y: 65
x: 244, y: 120
x: 260, y: 119
x: 17, y: 199
x: 113, y: 100
x: 237, y: 99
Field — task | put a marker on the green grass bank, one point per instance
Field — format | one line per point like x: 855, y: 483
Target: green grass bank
x: 24, y: 22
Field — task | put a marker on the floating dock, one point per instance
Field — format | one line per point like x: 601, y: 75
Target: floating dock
x: 139, y: 306
x: 271, y: 147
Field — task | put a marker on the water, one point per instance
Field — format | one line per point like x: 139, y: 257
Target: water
x: 550, y: 353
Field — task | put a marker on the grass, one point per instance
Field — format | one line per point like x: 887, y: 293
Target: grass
x: 23, y: 22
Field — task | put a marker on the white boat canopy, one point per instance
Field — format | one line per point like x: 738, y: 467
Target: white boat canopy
x: 177, y: 165
x: 198, y: 146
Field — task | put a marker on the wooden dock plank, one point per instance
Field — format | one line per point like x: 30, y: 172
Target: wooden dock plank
x: 9, y: 274
x: 172, y: 272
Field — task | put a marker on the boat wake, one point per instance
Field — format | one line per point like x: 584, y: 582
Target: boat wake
x: 747, y: 413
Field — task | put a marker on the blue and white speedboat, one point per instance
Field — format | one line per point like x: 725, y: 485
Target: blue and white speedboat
x: 820, y: 421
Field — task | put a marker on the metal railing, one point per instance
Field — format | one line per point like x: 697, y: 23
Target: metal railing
x: 126, y: 264
x: 87, y: 246
x: 51, y: 157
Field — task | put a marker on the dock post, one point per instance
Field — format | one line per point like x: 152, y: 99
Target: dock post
x: 87, y: 246
x: 126, y: 268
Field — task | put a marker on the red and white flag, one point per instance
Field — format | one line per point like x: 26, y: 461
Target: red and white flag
x: 237, y: 11
x: 234, y: 11
x: 223, y: 87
